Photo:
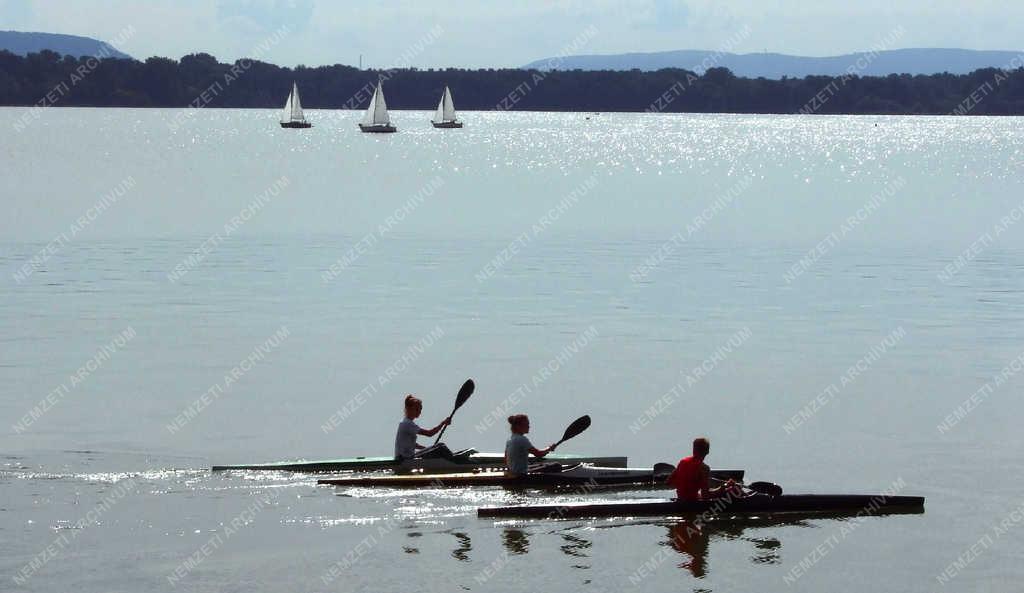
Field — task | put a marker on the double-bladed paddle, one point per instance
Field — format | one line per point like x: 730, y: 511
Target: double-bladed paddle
x: 460, y: 398
x: 766, y: 488
x: 578, y: 425
x: 663, y: 469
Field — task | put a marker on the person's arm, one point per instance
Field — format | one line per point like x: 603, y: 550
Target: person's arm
x: 431, y: 432
x: 702, y: 486
x: 541, y: 452
x: 723, y: 489
x: 671, y: 479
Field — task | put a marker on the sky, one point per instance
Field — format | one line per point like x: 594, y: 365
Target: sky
x: 486, y: 33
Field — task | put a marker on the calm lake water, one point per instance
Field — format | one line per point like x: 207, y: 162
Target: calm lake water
x: 837, y: 302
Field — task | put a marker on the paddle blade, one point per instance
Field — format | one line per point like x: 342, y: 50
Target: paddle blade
x: 460, y: 398
x: 765, y: 488
x: 579, y: 425
x: 663, y: 469
x: 464, y: 393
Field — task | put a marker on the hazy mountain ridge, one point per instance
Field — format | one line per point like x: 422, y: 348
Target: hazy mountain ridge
x: 23, y: 43
x: 775, y: 66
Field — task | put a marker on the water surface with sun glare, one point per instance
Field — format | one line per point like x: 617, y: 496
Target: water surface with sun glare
x: 640, y: 244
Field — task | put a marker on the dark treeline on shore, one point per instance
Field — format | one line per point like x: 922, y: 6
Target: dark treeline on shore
x: 198, y: 80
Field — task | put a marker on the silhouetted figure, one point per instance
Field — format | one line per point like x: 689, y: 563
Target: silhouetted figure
x: 690, y: 477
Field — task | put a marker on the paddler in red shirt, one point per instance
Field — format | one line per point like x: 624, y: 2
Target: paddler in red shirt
x: 691, y: 476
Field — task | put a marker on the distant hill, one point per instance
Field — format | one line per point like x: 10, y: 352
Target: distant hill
x: 775, y: 66
x: 21, y: 43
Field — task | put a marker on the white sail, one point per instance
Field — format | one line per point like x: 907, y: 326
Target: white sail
x: 449, y: 105
x: 439, y: 114
x: 368, y: 116
x: 445, y: 108
x: 296, y: 104
x: 286, y: 115
x: 380, y: 107
x: 377, y: 112
x: 293, y: 107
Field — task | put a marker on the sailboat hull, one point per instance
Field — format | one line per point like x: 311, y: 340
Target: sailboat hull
x: 378, y: 128
x: 296, y: 124
x: 447, y: 124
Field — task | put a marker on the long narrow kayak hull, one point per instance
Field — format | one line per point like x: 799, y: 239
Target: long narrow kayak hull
x: 432, y: 465
x: 574, y: 477
x: 753, y: 505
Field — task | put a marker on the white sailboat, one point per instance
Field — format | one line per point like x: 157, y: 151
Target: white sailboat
x: 445, y: 115
x: 292, y: 116
x: 376, y: 118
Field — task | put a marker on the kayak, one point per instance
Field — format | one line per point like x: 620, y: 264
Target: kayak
x: 462, y: 461
x: 756, y: 504
x: 577, y: 475
x: 548, y: 476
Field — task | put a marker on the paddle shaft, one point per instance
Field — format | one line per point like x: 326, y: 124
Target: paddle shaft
x: 768, y: 488
x: 460, y: 398
x: 440, y: 434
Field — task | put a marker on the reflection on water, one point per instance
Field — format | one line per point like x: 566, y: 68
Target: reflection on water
x: 692, y: 540
x: 766, y: 550
x: 577, y: 547
x: 516, y: 541
x: 461, y: 552
x: 409, y: 549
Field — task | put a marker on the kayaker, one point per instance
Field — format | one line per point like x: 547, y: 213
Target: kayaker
x: 691, y: 476
x: 518, y: 448
x: 408, y: 430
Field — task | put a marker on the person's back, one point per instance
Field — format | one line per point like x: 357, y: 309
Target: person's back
x: 518, y: 448
x: 690, y: 478
x: 517, y: 451
x: 405, y: 439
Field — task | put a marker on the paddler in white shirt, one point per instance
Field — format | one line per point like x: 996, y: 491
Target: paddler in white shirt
x: 518, y: 448
x: 405, y: 440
